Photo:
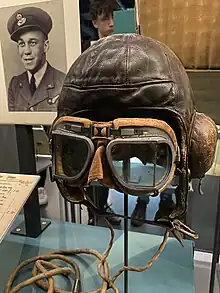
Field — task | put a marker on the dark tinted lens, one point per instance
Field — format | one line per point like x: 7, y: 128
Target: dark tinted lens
x: 73, y: 155
x: 143, y: 165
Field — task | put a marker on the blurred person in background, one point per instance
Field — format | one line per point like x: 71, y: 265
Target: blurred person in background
x: 102, y: 16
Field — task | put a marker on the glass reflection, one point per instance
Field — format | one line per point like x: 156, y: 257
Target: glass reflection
x: 147, y: 168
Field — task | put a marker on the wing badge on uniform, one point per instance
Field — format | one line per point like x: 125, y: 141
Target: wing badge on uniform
x: 53, y: 100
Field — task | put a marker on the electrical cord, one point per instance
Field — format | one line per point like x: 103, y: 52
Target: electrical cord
x: 44, y: 269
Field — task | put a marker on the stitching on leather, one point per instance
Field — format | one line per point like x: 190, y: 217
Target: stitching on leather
x: 116, y: 86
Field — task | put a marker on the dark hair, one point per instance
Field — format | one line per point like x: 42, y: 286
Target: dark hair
x: 98, y: 7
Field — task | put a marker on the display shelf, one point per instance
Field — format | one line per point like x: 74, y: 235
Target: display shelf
x: 174, y: 269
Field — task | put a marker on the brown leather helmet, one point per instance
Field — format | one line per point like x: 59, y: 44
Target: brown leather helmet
x: 132, y: 76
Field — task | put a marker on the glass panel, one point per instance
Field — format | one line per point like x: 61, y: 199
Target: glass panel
x: 141, y: 164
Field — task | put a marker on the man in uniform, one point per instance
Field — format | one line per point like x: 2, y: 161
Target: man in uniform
x: 38, y: 88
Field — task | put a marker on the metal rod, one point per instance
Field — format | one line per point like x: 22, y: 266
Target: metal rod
x: 96, y: 202
x: 155, y: 162
x: 27, y: 165
x: 126, y: 173
x: 73, y: 216
x: 216, y: 246
x: 126, y: 242
x: 80, y: 214
x: 66, y: 210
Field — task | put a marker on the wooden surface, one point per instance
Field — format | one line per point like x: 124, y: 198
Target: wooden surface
x: 14, y: 191
x: 190, y: 28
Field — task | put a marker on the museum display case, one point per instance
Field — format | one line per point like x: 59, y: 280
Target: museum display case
x: 77, y: 242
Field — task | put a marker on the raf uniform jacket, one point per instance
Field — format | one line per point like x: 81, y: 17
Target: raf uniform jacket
x: 45, y: 97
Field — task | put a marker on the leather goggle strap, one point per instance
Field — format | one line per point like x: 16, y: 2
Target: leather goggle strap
x: 84, y: 121
x: 148, y: 122
x: 121, y: 122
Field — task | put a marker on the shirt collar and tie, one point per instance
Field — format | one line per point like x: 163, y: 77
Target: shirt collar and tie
x: 35, y: 79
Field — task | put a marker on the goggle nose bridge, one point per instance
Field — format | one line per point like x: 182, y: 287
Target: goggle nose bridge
x: 101, y: 131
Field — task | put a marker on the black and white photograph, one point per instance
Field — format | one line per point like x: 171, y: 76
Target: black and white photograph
x: 34, y: 48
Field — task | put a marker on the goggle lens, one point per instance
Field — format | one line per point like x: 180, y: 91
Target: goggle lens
x: 73, y: 154
x: 141, y: 165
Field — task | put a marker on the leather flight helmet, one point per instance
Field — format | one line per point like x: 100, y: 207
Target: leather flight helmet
x: 129, y: 75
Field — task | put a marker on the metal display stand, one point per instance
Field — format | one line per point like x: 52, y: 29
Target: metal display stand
x: 126, y: 174
x: 216, y: 247
x: 125, y: 235
x: 33, y: 225
x: 125, y: 242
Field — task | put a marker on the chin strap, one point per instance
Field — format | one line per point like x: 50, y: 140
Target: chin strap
x: 173, y: 225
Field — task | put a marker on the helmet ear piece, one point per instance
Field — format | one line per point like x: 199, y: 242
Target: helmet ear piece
x: 203, y: 145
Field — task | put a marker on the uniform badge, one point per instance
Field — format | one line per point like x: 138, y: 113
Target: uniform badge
x: 53, y: 100
x: 21, y: 20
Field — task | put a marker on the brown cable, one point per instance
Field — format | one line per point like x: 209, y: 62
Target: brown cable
x: 41, y: 264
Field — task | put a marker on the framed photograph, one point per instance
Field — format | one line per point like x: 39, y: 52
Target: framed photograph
x: 39, y: 41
